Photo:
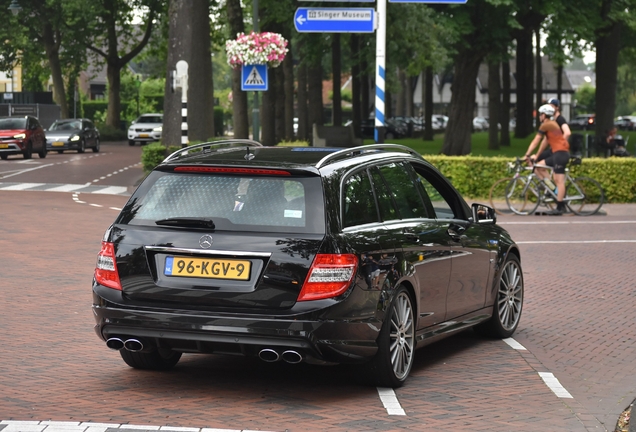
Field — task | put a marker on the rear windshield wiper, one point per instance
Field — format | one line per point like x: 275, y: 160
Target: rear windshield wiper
x: 187, y: 222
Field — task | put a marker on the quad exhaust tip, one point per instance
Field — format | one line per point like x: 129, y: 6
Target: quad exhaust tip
x: 269, y: 355
x: 292, y: 357
x: 117, y: 344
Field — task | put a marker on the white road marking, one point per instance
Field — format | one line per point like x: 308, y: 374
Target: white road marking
x: 59, y: 426
x: 26, y: 170
x: 112, y: 190
x: 22, y: 186
x: 390, y: 401
x: 553, y: 383
x: 514, y: 344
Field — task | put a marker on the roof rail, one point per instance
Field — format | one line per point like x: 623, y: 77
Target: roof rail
x: 350, y: 152
x: 214, y: 145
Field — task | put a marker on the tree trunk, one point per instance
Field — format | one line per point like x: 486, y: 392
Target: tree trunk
x: 607, y: 50
x: 279, y: 74
x: 494, y: 107
x: 288, y: 71
x: 354, y: 44
x: 364, y: 90
x: 401, y: 94
x: 559, y: 81
x: 429, y: 133
x: 268, y: 112
x: 336, y: 110
x: 505, y: 104
x: 200, y: 81
x: 179, y: 45
x: 524, y: 84
x: 53, y: 56
x: 410, y: 104
x: 303, y: 113
x: 462, y: 106
x: 539, y: 78
x: 314, y: 90
x: 240, y: 114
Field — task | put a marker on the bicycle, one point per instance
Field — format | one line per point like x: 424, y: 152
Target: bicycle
x: 497, y: 193
x: 584, y: 196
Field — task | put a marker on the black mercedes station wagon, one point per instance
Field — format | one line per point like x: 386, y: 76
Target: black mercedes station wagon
x: 301, y: 254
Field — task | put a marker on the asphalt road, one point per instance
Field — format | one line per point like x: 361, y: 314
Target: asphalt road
x: 570, y: 366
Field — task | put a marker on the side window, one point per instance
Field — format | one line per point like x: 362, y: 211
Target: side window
x: 401, y: 186
x: 442, y: 208
x: 359, y: 204
x: 385, y: 202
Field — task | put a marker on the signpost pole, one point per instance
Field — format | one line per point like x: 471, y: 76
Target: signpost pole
x: 380, y: 74
x: 255, y: 111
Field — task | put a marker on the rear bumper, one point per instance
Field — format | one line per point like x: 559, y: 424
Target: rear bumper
x: 321, y: 340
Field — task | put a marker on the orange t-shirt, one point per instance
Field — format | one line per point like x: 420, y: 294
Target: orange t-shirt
x: 555, y: 137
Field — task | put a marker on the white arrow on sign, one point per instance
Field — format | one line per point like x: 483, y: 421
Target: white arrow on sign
x: 301, y: 20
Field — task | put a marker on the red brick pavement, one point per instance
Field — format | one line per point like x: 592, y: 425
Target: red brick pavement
x: 53, y: 367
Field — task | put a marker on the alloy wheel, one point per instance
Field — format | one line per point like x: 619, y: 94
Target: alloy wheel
x: 402, y: 336
x: 510, y: 296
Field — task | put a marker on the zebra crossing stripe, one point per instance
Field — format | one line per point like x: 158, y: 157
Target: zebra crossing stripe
x: 52, y: 187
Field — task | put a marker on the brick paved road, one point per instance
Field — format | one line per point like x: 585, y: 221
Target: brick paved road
x: 577, y: 324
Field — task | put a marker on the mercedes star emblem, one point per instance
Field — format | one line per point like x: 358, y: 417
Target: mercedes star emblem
x: 206, y: 241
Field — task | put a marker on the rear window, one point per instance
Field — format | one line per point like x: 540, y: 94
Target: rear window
x: 271, y: 204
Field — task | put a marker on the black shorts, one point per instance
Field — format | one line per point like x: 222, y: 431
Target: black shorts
x: 558, y: 161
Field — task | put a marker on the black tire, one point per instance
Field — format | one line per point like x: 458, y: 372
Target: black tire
x: 131, y: 143
x: 521, y: 199
x: 96, y: 147
x: 28, y: 152
x: 4, y: 157
x: 43, y: 151
x: 60, y: 151
x: 508, y: 301
x: 497, y: 196
x: 158, y: 359
x: 396, y: 344
x: 82, y: 146
x: 586, y: 197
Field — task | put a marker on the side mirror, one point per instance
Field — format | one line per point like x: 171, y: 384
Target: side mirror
x: 482, y: 214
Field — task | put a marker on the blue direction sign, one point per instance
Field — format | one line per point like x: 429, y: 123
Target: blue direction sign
x: 254, y: 77
x: 335, y: 20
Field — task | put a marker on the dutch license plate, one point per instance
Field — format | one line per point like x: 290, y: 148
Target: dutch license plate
x: 4, y: 145
x: 57, y: 144
x: 212, y: 268
x: 143, y: 135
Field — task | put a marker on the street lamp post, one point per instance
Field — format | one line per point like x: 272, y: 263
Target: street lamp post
x: 15, y: 7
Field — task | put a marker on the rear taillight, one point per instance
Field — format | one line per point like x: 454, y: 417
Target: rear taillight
x: 106, y: 269
x: 329, y: 276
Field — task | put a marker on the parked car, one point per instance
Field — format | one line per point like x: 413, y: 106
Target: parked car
x: 442, y: 120
x: 146, y: 128
x: 393, y: 129
x: 72, y: 134
x: 583, y: 122
x: 300, y: 254
x: 21, y: 135
x: 480, y: 124
x: 625, y: 122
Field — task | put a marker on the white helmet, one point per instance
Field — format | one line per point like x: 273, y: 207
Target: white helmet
x: 548, y: 110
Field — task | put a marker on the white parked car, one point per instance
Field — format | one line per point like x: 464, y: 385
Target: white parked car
x: 146, y: 128
x: 480, y: 124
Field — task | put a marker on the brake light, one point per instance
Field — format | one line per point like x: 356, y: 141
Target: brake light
x: 590, y: 120
x: 329, y: 276
x: 253, y: 171
x: 106, y: 268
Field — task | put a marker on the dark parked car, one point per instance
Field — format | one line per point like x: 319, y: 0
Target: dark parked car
x: 21, y: 135
x: 301, y: 254
x: 392, y: 129
x: 72, y: 134
x: 583, y: 122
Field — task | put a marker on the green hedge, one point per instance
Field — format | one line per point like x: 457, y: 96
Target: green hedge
x: 153, y: 154
x: 473, y: 175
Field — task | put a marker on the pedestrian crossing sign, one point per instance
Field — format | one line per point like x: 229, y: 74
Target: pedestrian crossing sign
x: 254, y: 77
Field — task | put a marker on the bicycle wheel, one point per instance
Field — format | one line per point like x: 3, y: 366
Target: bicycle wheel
x: 497, y: 196
x: 584, y: 196
x: 521, y: 197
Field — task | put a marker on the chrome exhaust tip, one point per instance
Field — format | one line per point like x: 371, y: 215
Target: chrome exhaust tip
x: 268, y: 355
x: 115, y: 343
x: 133, y: 345
x: 292, y: 357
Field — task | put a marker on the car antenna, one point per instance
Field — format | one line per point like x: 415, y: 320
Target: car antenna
x: 248, y: 156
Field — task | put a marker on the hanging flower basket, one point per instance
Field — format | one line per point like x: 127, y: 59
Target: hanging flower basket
x: 256, y: 48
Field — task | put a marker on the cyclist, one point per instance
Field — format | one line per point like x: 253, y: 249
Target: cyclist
x: 561, y: 121
x: 550, y: 134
